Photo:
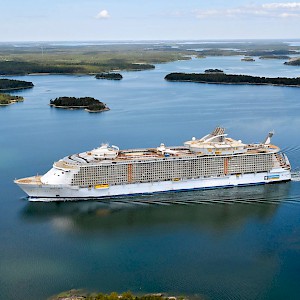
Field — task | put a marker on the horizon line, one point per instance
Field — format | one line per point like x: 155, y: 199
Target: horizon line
x: 152, y: 40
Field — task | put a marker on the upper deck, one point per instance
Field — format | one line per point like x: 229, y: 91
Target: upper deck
x: 214, y: 144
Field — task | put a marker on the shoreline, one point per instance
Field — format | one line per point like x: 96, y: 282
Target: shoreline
x: 79, y: 107
x: 16, y: 89
x: 235, y: 83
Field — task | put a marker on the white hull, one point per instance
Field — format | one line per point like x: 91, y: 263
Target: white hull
x: 47, y: 192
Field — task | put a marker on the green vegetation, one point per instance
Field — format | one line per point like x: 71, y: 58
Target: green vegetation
x: 274, y: 57
x: 89, y: 59
x: 222, y: 78
x: 110, y: 76
x: 6, y: 99
x: 78, y: 295
x: 293, y: 62
x: 270, y: 52
x: 10, y: 84
x: 89, y: 103
x: 58, y: 58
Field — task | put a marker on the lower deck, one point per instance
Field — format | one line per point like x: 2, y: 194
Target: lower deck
x: 63, y: 193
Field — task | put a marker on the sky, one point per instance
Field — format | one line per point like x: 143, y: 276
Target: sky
x: 106, y: 20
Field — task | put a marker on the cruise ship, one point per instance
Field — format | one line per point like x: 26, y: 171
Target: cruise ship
x: 213, y: 161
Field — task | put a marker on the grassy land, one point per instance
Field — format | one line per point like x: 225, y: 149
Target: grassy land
x: 81, y: 60
x: 6, y: 99
x: 92, y: 59
x: 79, y: 295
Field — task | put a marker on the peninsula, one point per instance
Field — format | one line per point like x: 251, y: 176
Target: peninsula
x: 88, y: 103
x: 110, y: 76
x: 11, y: 84
x: 7, y: 99
x: 221, y: 78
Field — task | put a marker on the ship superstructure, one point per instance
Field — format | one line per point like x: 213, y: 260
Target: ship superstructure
x: 212, y: 161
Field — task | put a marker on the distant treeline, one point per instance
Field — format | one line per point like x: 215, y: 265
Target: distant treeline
x: 273, y: 52
x: 111, y: 76
x: 90, y: 103
x: 232, y: 79
x: 11, y: 84
x: 23, y: 68
x: 274, y: 57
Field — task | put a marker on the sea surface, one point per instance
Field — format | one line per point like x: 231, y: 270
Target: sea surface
x: 237, y: 243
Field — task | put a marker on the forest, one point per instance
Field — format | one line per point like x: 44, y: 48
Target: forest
x: 110, y: 76
x: 91, y: 104
x: 11, y: 84
x: 232, y: 79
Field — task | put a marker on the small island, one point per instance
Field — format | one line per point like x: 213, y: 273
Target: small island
x: 140, y: 67
x: 213, y: 71
x: 11, y: 84
x: 274, y: 57
x: 81, y: 294
x: 221, y: 78
x: 7, y: 99
x: 293, y: 62
x: 109, y: 76
x: 88, y: 103
x: 248, y: 58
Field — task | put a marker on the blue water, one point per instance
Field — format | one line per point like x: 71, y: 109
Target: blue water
x: 238, y: 243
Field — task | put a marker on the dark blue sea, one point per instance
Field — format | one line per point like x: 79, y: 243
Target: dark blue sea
x: 237, y: 243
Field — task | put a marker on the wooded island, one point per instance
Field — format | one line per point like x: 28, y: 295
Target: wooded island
x: 110, y: 76
x: 88, y: 103
x: 11, y: 84
x: 221, y: 78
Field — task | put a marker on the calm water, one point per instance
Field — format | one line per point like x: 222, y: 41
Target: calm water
x: 238, y: 243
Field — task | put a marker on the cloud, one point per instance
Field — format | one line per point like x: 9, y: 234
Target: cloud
x: 289, y: 5
x: 273, y: 10
x: 103, y: 14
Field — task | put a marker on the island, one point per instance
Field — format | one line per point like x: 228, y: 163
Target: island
x: 274, y: 57
x: 7, y: 99
x: 109, y: 76
x: 247, y: 58
x: 293, y: 62
x: 88, y: 103
x: 213, y: 71
x: 81, y: 294
x: 11, y: 84
x: 222, y: 78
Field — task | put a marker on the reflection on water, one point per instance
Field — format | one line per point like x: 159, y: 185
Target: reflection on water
x: 219, y: 243
x: 218, y: 209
